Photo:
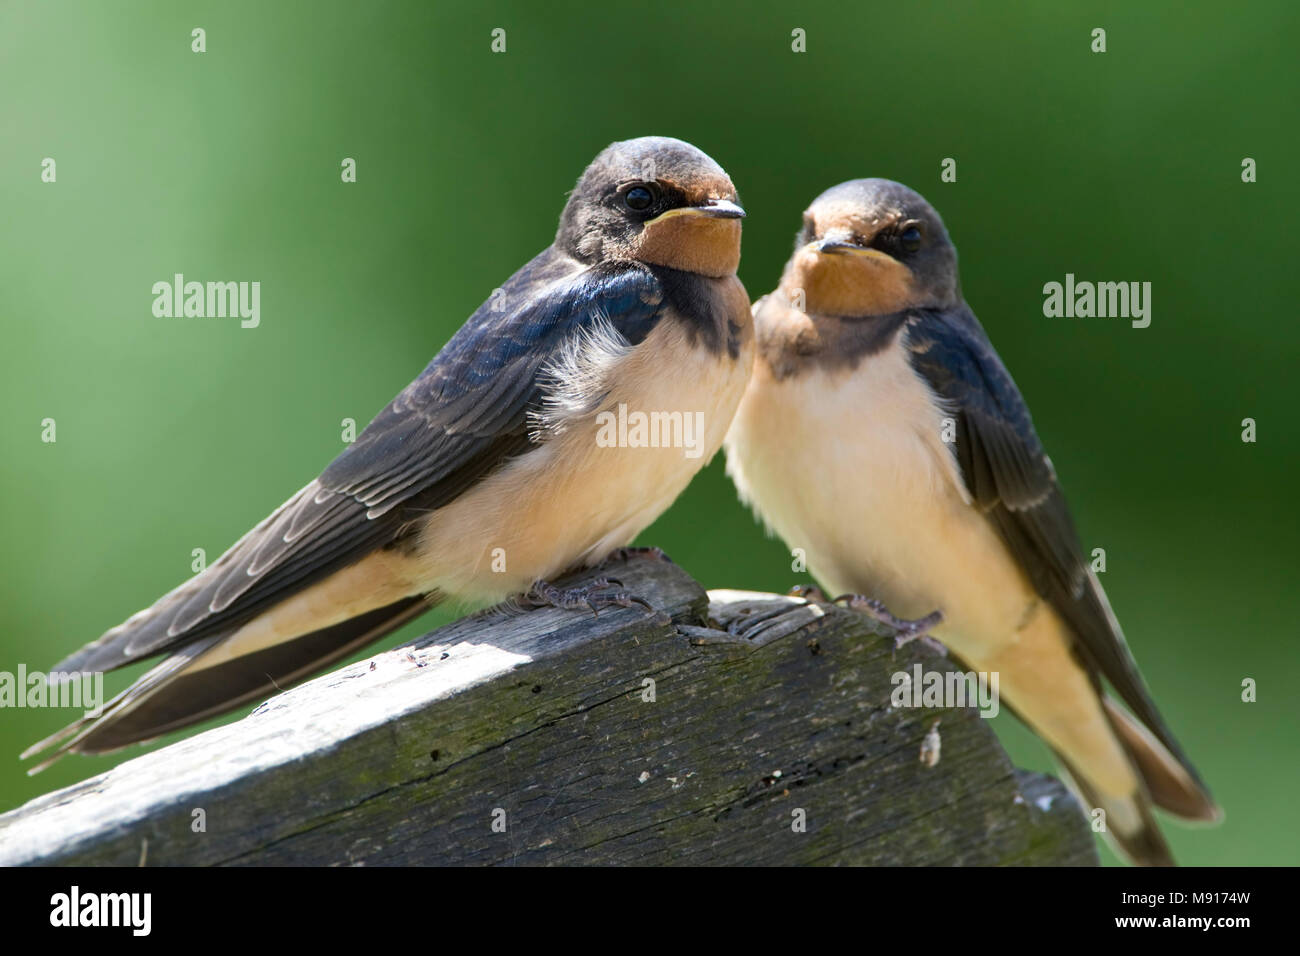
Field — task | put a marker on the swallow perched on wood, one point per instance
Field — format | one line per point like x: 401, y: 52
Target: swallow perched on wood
x: 487, y: 475
x: 882, y: 433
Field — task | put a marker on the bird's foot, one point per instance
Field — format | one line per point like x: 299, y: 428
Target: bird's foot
x: 626, y: 554
x: 602, y: 592
x: 905, y: 631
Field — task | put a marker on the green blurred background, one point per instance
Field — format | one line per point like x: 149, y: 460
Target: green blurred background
x: 175, y: 434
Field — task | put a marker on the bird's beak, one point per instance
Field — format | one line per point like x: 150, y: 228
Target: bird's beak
x: 710, y: 209
x: 719, y: 209
x: 839, y: 247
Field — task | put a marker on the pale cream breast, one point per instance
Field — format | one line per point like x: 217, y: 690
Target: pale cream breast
x: 850, y: 466
x: 577, y: 497
x: 569, y: 502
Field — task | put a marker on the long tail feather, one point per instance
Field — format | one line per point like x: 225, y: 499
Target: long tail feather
x: 178, y: 693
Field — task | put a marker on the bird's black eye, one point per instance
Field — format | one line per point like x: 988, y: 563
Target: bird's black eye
x: 909, y: 240
x: 639, y: 198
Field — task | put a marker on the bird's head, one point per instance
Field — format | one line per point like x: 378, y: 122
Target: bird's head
x: 655, y: 200
x: 872, y: 247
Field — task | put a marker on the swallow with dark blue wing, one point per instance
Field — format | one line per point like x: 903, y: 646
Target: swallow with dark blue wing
x: 486, y: 476
x: 882, y: 434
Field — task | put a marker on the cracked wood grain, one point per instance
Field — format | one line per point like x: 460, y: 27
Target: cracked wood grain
x: 631, y: 738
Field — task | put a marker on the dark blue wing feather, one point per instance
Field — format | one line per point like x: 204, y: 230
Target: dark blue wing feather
x: 1011, y: 479
x: 462, y: 417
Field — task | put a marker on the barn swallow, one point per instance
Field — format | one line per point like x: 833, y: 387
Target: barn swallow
x: 486, y: 476
x: 882, y: 433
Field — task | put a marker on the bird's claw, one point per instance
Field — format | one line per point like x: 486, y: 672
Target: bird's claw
x: 905, y: 631
x: 591, y: 596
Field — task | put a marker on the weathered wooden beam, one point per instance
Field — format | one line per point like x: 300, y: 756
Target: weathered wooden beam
x: 552, y: 737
